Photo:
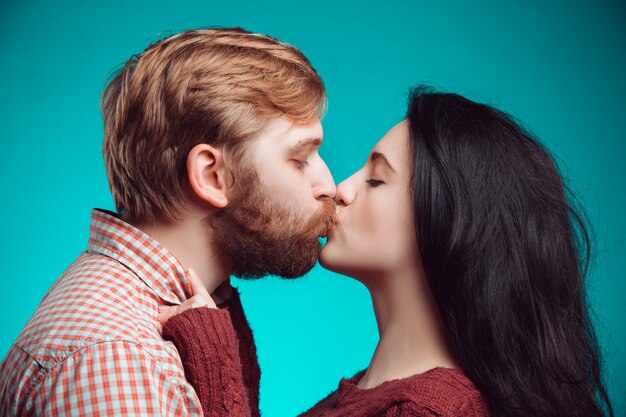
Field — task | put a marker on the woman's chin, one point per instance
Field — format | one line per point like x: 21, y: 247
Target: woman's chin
x: 323, y: 258
x: 327, y: 258
x: 336, y: 257
x: 332, y: 259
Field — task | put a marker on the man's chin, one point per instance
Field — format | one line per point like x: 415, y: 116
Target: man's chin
x: 287, y: 275
x: 299, y: 268
x: 286, y: 263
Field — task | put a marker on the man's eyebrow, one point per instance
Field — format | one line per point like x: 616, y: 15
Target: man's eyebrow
x: 306, y: 143
x: 379, y: 156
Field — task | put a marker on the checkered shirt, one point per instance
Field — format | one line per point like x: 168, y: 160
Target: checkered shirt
x: 94, y: 345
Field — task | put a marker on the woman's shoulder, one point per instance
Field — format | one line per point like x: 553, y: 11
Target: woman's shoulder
x: 439, y: 392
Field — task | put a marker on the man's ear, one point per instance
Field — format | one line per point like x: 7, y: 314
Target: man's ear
x: 207, y: 174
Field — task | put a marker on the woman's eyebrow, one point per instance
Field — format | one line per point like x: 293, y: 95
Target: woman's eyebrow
x: 379, y: 156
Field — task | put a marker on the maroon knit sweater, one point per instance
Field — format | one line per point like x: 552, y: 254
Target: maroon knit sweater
x: 438, y: 392
x: 219, y: 356
x: 227, y: 384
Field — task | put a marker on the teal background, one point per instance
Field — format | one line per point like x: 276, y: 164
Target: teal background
x: 560, y: 66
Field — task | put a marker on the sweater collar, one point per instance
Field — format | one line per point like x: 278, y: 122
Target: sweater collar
x: 348, y: 391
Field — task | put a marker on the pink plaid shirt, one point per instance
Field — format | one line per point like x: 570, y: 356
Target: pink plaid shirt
x: 94, y: 346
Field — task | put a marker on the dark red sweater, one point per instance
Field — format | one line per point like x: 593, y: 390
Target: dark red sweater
x: 438, y: 392
x: 227, y: 383
x: 218, y: 353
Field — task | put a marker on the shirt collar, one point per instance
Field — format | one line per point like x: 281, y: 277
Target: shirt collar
x: 157, y: 267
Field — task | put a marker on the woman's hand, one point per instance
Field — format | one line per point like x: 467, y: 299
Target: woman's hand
x: 200, y: 298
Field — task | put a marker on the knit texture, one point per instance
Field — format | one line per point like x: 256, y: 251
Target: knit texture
x: 219, y: 356
x: 247, y: 351
x: 217, y: 349
x: 438, y: 392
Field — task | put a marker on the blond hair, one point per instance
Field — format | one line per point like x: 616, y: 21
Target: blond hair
x: 216, y: 86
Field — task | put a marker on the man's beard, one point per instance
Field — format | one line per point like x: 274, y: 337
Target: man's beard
x: 264, y: 237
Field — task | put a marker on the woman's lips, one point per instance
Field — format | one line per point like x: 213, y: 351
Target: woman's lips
x: 333, y: 227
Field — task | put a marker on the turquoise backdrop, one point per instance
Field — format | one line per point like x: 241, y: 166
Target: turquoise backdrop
x: 560, y: 66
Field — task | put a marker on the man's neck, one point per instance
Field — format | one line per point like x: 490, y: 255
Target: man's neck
x: 412, y: 336
x: 189, y: 240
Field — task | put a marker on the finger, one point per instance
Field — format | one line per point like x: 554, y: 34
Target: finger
x: 165, y: 309
x: 198, y: 301
x: 165, y: 313
x: 197, y: 287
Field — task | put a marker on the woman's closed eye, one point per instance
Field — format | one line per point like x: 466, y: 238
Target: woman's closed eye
x: 374, y: 182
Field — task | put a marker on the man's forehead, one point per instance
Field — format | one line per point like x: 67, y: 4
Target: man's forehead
x: 299, y: 134
x: 283, y: 134
x: 284, y: 131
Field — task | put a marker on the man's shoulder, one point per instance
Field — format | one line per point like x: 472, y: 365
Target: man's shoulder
x: 109, y: 374
x: 96, y: 299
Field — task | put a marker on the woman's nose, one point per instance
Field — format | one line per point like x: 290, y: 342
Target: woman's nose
x: 345, y: 192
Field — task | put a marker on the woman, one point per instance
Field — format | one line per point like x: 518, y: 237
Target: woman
x: 460, y: 226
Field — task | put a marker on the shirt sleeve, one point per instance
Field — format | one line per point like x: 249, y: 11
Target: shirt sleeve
x: 207, y: 345
x: 110, y: 378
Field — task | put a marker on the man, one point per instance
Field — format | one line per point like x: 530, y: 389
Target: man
x: 211, y: 148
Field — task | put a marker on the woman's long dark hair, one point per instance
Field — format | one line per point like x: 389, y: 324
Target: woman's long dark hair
x: 506, y: 255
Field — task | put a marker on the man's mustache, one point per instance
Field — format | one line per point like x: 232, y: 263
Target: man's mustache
x: 326, y: 219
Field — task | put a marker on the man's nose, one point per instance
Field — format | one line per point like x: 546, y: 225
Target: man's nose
x: 324, y: 185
